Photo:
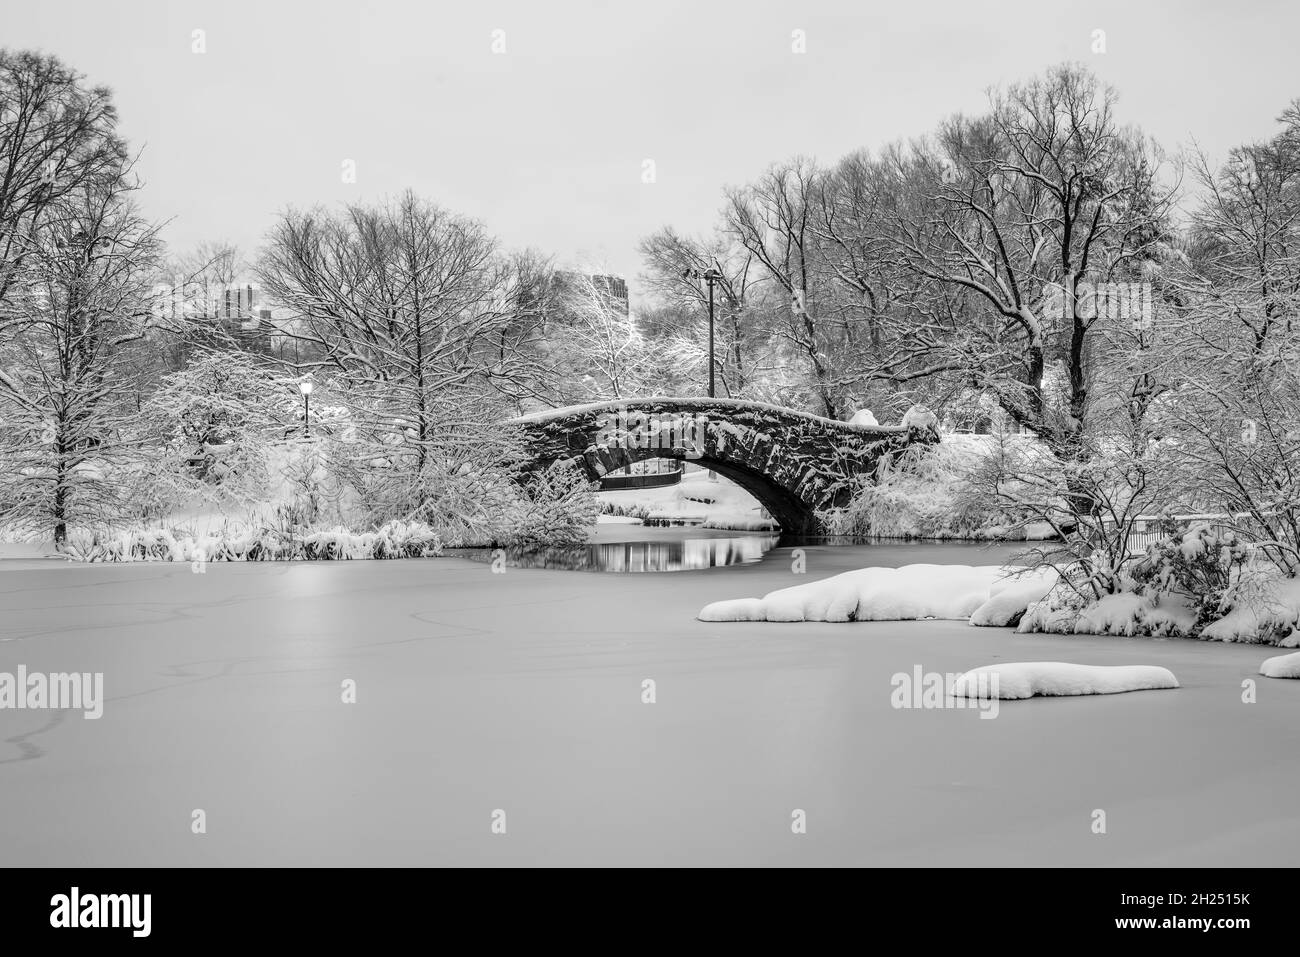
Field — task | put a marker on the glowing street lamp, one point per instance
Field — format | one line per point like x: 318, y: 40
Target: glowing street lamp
x: 305, y: 386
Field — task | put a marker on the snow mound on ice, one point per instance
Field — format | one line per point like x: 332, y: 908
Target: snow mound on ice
x: 1009, y: 597
x: 893, y: 594
x: 1025, y: 679
x: 1281, y: 666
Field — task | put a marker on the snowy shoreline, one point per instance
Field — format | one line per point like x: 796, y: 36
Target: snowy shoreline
x: 1032, y: 601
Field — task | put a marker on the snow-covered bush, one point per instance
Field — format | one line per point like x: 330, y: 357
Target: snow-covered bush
x: 1204, y: 563
x: 457, y: 473
x: 632, y: 510
x: 1204, y: 582
x: 309, y: 492
x: 557, y: 506
x: 236, y: 542
x: 926, y: 491
x: 736, y: 522
x: 336, y: 544
x: 405, y: 540
x: 134, y: 545
x: 82, y: 545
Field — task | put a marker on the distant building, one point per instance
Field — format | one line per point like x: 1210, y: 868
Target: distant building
x: 611, y: 289
x: 236, y: 315
x: 218, y: 316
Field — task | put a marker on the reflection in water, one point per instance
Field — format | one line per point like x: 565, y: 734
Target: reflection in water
x: 664, y: 556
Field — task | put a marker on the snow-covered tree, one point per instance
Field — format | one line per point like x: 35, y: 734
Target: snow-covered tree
x: 211, y: 426
x: 591, y: 345
x: 744, y: 312
x: 82, y: 298
x: 1238, y: 323
x: 1044, y: 193
x: 407, y: 306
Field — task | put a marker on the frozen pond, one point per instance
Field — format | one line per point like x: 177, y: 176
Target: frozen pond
x: 637, y: 548
x: 523, y: 692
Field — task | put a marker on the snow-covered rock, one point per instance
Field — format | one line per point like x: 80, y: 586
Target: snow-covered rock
x: 891, y: 594
x: 1281, y: 666
x: 1025, y: 679
x: 922, y: 418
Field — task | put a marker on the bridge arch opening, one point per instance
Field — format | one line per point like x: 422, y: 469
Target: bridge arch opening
x: 791, y: 513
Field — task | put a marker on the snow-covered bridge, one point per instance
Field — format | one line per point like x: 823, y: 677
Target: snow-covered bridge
x: 792, y: 462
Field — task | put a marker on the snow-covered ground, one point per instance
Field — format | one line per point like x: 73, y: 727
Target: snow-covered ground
x: 524, y: 692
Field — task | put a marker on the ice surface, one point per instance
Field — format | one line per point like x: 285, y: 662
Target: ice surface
x: 522, y: 691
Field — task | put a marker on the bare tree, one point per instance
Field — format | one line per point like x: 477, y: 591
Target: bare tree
x: 774, y: 219
x: 57, y: 137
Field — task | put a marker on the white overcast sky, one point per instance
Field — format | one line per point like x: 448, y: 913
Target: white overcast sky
x: 545, y: 143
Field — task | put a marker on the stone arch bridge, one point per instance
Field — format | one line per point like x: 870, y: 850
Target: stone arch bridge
x: 792, y: 462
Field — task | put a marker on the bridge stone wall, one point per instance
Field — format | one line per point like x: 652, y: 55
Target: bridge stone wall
x: 793, y: 463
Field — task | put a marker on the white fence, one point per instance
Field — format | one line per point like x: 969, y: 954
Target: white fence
x: 1147, y: 529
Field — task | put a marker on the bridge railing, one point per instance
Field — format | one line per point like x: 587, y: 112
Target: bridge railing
x: 615, y: 483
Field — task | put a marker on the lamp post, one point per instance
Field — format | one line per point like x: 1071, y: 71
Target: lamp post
x: 710, y: 276
x: 305, y: 386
